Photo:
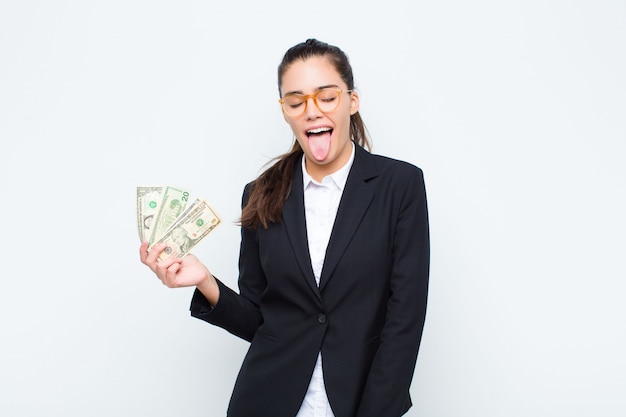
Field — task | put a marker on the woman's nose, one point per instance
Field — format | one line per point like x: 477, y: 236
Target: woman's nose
x: 312, y: 111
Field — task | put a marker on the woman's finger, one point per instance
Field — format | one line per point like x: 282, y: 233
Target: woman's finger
x: 153, y: 256
x: 170, y: 273
x: 143, y: 251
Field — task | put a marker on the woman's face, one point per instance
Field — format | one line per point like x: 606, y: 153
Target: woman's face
x: 324, y: 136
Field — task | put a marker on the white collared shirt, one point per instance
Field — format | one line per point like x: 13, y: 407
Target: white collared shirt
x: 321, y: 201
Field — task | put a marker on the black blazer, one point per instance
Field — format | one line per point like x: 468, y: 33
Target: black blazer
x: 367, y: 315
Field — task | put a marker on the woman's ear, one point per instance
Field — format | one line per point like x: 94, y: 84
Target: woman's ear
x: 354, y: 102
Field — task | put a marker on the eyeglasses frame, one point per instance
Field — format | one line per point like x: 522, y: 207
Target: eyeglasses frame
x: 305, y: 99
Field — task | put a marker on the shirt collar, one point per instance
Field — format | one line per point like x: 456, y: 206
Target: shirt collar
x: 338, y: 177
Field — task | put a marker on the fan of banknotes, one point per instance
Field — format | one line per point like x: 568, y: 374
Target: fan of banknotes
x: 167, y: 214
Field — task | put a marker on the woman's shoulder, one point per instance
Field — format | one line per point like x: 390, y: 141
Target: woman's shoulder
x: 395, y: 177
x: 391, y: 165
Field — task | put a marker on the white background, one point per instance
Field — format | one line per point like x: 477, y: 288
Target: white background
x: 514, y: 109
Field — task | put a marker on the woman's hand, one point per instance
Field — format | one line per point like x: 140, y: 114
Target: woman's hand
x: 175, y: 273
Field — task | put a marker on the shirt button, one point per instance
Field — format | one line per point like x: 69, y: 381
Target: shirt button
x: 321, y: 318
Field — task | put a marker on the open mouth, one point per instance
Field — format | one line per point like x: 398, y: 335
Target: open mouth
x: 319, y: 131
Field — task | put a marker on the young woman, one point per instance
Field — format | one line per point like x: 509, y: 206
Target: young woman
x: 333, y: 265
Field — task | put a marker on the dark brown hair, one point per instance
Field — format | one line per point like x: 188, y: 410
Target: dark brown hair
x: 269, y: 191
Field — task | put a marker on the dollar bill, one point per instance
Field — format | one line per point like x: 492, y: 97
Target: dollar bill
x: 148, y: 204
x: 173, y: 203
x: 188, y: 230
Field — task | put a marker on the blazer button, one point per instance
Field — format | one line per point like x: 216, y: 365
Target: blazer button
x: 321, y: 318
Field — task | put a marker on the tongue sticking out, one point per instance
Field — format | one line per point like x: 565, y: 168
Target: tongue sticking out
x: 320, y: 145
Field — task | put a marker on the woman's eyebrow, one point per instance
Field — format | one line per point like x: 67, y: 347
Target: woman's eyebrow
x: 299, y: 92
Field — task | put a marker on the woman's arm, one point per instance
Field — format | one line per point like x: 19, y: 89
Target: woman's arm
x: 238, y: 313
x: 387, y: 385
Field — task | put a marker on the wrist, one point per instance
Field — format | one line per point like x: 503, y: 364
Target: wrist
x: 210, y: 289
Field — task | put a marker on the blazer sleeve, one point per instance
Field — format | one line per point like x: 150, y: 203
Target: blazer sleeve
x: 238, y: 313
x: 386, y: 391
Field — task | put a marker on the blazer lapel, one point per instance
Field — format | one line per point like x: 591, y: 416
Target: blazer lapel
x: 295, y: 226
x: 355, y: 201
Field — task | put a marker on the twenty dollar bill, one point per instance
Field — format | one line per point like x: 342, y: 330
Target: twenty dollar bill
x: 173, y: 203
